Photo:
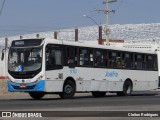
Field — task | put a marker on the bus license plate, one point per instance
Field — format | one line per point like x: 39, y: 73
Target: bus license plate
x: 22, y: 85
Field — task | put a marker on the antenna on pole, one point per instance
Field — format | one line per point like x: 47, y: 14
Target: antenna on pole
x: 107, y: 11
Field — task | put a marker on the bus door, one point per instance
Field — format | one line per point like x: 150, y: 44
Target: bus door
x: 54, y: 74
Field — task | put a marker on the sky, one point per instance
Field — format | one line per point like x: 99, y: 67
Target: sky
x: 20, y: 17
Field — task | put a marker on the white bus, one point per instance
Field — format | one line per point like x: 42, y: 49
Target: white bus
x: 152, y: 46
x: 44, y: 66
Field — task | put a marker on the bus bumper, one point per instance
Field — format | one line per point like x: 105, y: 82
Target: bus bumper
x: 29, y: 87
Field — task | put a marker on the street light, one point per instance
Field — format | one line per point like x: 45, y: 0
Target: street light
x: 94, y: 21
x: 100, y: 40
x: 91, y: 19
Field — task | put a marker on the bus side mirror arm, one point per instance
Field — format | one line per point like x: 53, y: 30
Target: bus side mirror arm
x: 2, y: 58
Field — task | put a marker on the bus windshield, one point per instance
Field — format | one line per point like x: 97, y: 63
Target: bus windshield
x: 24, y: 59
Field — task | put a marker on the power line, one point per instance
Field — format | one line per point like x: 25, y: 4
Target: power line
x: 2, y: 7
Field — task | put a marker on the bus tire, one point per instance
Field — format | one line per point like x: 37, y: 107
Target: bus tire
x: 98, y: 94
x: 127, y: 89
x: 69, y: 90
x: 36, y: 95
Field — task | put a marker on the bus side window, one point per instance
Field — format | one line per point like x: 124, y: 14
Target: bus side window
x: 76, y: 56
x: 118, y: 60
x: 97, y: 58
x: 106, y: 58
x: 51, y: 60
x: 113, y: 62
x: 53, y: 57
x: 109, y: 61
x: 155, y: 62
x: 82, y: 53
x: 151, y: 62
x: 127, y: 61
x: 139, y: 61
x: 86, y: 57
x: 70, y: 55
x: 100, y: 58
x: 81, y: 61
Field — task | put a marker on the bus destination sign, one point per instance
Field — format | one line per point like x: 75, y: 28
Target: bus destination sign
x: 19, y: 43
x: 26, y: 42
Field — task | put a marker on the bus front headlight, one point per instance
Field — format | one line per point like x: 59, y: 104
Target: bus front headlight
x: 39, y: 78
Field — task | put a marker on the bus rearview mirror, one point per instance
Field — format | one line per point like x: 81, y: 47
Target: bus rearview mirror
x: 2, y: 56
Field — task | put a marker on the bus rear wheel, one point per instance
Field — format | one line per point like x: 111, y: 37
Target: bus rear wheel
x: 98, y: 94
x: 36, y: 95
x: 127, y: 89
x: 69, y: 90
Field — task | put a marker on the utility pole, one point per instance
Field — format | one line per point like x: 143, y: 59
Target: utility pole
x: 107, y: 11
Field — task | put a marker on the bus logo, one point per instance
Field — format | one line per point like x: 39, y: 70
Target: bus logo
x: 111, y: 74
x: 6, y: 114
x: 20, y: 68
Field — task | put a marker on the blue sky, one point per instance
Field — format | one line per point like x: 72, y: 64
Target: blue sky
x: 29, y: 16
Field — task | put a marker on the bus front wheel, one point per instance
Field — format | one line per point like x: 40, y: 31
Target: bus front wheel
x: 127, y: 89
x: 98, y: 94
x: 36, y: 95
x: 69, y: 90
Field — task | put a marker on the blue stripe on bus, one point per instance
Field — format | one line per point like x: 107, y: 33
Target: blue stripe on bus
x: 30, y: 87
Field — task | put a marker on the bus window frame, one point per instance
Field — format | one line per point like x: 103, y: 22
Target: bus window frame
x: 71, y: 59
x: 104, y: 53
x: 107, y: 53
x: 54, y: 67
x: 79, y: 57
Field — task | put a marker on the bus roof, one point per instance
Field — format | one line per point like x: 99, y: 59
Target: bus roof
x: 89, y: 44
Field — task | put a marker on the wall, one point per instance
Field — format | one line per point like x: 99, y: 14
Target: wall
x: 3, y: 79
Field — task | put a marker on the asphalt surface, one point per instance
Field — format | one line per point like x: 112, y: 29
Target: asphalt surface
x: 139, y: 101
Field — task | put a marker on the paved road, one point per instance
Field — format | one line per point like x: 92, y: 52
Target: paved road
x: 144, y: 101
x: 83, y: 102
